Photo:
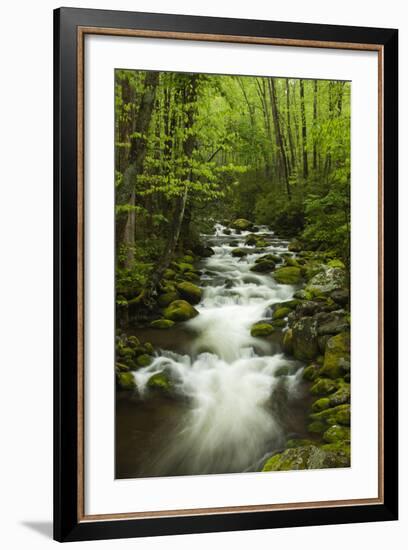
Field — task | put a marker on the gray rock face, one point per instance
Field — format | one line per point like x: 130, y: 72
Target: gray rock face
x: 304, y: 338
x: 327, y: 281
x: 331, y: 322
x: 340, y: 296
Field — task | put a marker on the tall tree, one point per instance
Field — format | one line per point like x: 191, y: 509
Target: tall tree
x: 278, y: 134
x: 315, y: 89
x: 289, y: 125
x: 304, y: 131
x: 137, y: 153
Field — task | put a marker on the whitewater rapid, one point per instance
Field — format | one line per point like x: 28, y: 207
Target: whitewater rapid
x: 229, y: 378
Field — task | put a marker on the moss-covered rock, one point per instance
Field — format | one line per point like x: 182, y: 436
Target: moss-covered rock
x: 144, y: 360
x: 126, y: 351
x: 323, y: 386
x: 121, y: 367
x: 340, y: 296
x: 270, y: 257
x: 281, y: 313
x: 261, y: 243
x: 139, y: 350
x: 180, y: 310
x: 203, y: 251
x: 305, y: 346
x: 251, y: 240
x: 336, y: 263
x: 311, y: 372
x: 239, y: 252
x: 326, y: 281
x: 331, y: 322
x: 295, y: 246
x: 342, y: 446
x: 336, y: 433
x: 149, y: 348
x: 322, y: 342
x: 279, y: 323
x: 295, y: 443
x: 287, y: 343
x: 341, y: 396
x: 182, y: 267
x: 242, y: 224
x: 317, y: 427
x: 266, y: 266
x: 187, y: 259
x: 191, y: 276
x: 334, y: 415
x: 168, y: 297
x: 159, y: 381
x: 133, y: 341
x: 291, y: 262
x: 291, y: 304
x: 162, y: 323
x: 126, y: 381
x: 337, y: 356
x: 169, y: 273
x: 305, y: 458
x: 189, y: 292
x: 303, y: 295
x: 321, y: 404
x: 261, y: 329
x: 287, y: 275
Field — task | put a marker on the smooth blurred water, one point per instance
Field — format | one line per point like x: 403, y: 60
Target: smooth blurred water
x: 232, y: 398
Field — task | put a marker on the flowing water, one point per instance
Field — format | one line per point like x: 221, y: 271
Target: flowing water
x: 237, y: 397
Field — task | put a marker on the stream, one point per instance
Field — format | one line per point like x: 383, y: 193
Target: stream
x: 238, y: 398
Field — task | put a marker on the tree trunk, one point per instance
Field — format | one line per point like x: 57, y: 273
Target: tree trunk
x: 314, y: 125
x: 278, y: 135
x: 304, y: 131
x: 137, y: 153
x: 290, y: 138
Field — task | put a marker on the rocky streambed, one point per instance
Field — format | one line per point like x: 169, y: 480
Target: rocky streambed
x: 246, y: 366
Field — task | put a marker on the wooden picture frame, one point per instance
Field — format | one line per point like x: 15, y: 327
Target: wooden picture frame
x: 70, y: 27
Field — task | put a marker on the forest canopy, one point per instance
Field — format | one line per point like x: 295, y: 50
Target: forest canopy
x: 193, y: 149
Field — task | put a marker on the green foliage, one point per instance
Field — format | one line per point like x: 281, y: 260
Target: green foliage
x: 328, y: 221
x: 212, y: 140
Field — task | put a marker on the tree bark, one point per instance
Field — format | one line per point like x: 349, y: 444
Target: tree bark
x: 314, y: 125
x: 278, y: 135
x: 304, y: 131
x: 288, y: 119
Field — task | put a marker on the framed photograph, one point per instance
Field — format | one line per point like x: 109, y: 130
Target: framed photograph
x: 225, y: 274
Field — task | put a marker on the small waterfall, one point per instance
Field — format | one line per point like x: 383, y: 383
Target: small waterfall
x: 229, y: 379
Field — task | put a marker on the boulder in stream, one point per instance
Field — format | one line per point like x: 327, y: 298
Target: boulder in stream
x: 265, y: 266
x: 189, y: 292
x: 180, y: 310
x: 239, y: 252
x: 262, y: 328
x: 159, y: 381
x: 242, y: 224
x: 288, y: 275
x: 126, y: 381
x: 162, y: 323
